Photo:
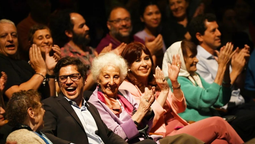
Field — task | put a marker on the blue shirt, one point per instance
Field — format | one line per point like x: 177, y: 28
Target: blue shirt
x: 207, y: 65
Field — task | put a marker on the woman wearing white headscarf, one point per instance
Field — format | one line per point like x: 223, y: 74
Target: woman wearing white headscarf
x: 201, y: 97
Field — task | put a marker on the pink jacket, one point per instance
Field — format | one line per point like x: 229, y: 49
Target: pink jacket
x: 166, y: 119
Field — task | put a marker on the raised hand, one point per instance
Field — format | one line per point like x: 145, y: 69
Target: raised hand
x: 3, y: 80
x: 51, y: 60
x: 120, y: 48
x: 107, y: 48
x: 36, y: 60
x: 160, y: 80
x: 225, y: 54
x: 174, y: 68
x: 154, y: 44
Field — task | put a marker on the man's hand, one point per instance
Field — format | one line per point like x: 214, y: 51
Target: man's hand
x: 240, y: 58
x: 118, y: 50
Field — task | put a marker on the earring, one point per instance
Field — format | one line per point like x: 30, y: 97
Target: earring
x: 129, y: 70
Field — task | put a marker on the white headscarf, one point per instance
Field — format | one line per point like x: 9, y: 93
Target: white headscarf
x: 175, y: 49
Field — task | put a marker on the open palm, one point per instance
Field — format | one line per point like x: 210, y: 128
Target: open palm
x: 174, y: 68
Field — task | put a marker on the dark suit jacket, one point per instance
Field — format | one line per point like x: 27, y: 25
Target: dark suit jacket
x: 62, y: 125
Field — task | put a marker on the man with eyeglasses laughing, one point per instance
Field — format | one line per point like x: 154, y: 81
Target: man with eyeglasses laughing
x: 69, y: 118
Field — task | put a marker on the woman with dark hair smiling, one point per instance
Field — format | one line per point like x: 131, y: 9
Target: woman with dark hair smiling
x: 150, y: 16
x: 169, y: 103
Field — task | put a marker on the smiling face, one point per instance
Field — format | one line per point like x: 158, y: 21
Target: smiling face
x: 211, y: 37
x: 190, y: 61
x: 141, y: 67
x: 178, y: 7
x: 72, y: 88
x: 119, y: 23
x: 42, y: 38
x: 151, y: 16
x: 109, y: 80
x: 8, y: 39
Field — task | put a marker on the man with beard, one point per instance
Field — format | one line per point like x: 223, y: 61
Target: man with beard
x: 70, y: 32
x: 120, y: 28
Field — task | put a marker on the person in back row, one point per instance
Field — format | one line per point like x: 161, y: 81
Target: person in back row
x: 23, y: 75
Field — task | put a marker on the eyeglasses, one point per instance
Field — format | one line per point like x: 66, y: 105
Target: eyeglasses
x: 118, y: 21
x: 73, y: 77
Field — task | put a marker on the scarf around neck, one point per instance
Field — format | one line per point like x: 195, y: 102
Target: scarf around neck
x: 175, y: 49
x: 115, y: 103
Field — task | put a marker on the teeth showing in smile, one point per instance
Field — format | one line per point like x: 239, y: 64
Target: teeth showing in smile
x: 70, y: 88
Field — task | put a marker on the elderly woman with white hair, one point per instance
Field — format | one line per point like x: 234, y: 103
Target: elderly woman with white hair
x: 120, y: 112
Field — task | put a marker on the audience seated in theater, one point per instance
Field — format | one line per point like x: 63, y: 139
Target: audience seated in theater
x: 39, y: 14
x: 168, y: 103
x: 73, y: 38
x: 22, y: 75
x: 70, y: 118
x: 119, y: 110
x: 25, y: 113
x: 175, y: 27
x: 150, y: 17
x: 120, y: 32
x: 203, y: 98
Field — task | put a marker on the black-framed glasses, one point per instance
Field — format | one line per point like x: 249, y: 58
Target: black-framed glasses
x: 73, y: 77
x: 117, y: 21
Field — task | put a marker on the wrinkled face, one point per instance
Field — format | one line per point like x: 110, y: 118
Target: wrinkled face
x: 119, y: 23
x: 151, y: 16
x: 80, y: 29
x: 109, y: 80
x: 141, y: 67
x: 71, y: 83
x: 42, y: 38
x: 211, y: 37
x: 191, y: 62
x: 8, y: 39
x: 38, y: 117
x: 178, y: 7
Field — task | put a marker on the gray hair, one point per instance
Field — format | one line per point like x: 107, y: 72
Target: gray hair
x: 107, y: 59
x: 6, y: 21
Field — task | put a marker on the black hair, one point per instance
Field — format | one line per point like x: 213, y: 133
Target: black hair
x: 197, y: 25
x: 66, y: 61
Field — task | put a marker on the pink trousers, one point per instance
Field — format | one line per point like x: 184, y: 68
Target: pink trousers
x: 213, y: 130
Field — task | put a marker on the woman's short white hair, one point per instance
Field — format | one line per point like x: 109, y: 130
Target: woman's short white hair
x: 6, y: 21
x: 107, y: 59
